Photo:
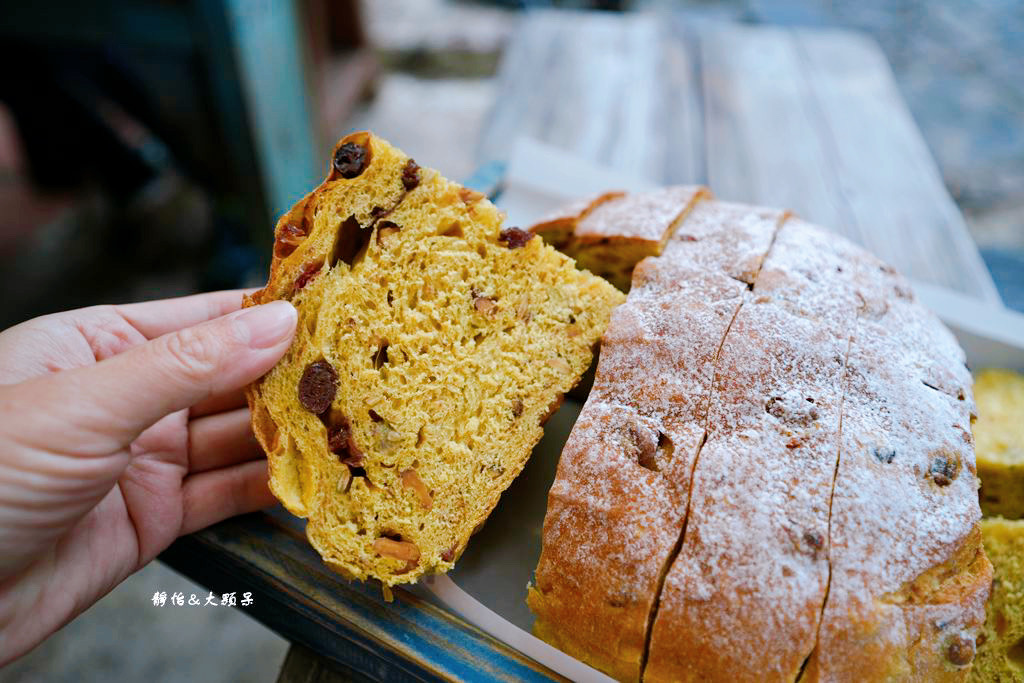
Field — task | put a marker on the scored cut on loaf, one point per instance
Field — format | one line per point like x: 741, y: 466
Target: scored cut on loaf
x: 831, y: 396
x: 620, y: 493
x: 431, y: 346
x: 999, y: 432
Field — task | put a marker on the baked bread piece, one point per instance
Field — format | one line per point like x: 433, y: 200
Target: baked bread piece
x: 612, y: 232
x: 909, y: 575
x: 431, y: 345
x: 618, y: 500
x: 785, y: 567
x: 557, y: 228
x: 752, y: 572
x: 1000, y: 657
x: 999, y: 433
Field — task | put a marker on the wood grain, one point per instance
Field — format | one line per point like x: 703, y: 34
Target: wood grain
x: 805, y: 119
x: 347, y: 622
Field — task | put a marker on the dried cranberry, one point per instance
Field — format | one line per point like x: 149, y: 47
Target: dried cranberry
x: 341, y: 442
x: 514, y: 238
x: 814, y: 539
x: 289, y: 237
x: 309, y: 271
x: 317, y: 386
x: 410, y: 175
x: 337, y: 438
x: 350, y: 160
x: 960, y: 651
x: 449, y: 554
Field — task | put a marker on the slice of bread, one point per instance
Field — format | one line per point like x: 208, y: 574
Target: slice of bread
x: 999, y: 442
x: 612, y: 232
x: 431, y: 346
x: 1000, y: 657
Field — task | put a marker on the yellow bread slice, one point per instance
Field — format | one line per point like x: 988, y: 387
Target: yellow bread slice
x: 1000, y: 656
x: 431, y: 346
x: 999, y: 442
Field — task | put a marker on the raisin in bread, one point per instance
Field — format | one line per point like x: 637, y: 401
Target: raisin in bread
x: 999, y: 431
x: 1000, y: 657
x: 431, y: 346
x: 773, y: 477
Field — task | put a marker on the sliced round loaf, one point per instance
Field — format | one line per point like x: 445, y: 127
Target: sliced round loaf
x: 431, y: 346
x: 773, y: 478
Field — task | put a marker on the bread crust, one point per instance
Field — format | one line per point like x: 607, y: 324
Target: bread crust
x: 621, y: 490
x: 611, y: 232
x: 785, y: 567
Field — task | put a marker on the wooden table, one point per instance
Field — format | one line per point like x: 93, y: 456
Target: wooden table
x: 799, y: 118
x: 805, y: 119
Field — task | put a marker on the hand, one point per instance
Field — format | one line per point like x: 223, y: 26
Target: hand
x: 122, y: 428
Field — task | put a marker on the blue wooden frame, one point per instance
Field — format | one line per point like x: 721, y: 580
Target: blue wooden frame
x: 347, y: 622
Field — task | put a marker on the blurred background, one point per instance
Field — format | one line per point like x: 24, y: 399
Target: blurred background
x: 146, y: 149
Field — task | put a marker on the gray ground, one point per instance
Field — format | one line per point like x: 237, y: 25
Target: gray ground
x: 958, y: 62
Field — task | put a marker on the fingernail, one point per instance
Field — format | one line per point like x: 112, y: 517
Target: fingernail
x: 267, y: 325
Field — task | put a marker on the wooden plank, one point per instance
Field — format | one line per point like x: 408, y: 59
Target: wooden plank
x: 812, y: 120
x: 681, y: 114
x: 346, y: 622
x: 889, y: 178
x: 592, y: 83
x: 271, y: 66
x: 758, y: 148
x: 805, y: 119
x: 302, y: 665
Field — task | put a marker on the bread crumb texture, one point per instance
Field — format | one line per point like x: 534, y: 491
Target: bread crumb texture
x: 1000, y: 656
x: 431, y: 346
x: 999, y: 442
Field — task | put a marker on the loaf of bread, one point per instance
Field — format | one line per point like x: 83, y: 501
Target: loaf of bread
x: 1000, y: 657
x: 431, y: 346
x: 773, y: 477
x: 999, y: 433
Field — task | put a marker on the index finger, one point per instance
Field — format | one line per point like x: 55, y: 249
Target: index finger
x: 156, y: 318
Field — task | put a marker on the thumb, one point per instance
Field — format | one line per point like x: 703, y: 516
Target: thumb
x: 102, y: 408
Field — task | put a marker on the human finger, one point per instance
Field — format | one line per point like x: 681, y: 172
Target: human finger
x: 102, y: 408
x: 221, y: 440
x: 219, y: 403
x: 157, y: 318
x: 210, y: 497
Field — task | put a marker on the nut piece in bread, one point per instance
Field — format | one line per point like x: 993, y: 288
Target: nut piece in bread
x: 431, y: 344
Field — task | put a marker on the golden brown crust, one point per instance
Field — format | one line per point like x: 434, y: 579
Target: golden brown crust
x: 619, y: 496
